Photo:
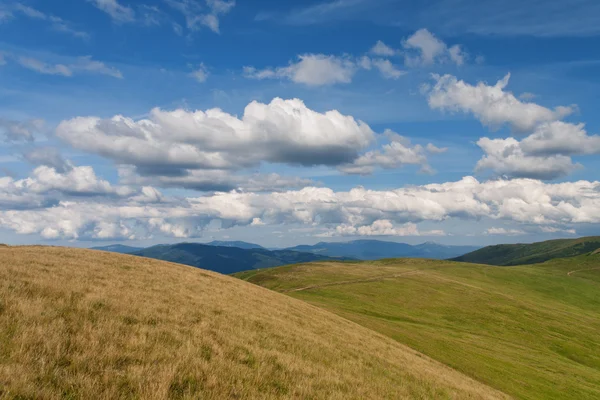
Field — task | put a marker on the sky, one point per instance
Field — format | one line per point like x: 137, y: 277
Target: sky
x: 285, y: 123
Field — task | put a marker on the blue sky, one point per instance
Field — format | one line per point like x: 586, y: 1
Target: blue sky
x: 154, y: 121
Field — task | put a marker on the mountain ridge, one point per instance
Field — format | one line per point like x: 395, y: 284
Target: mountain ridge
x: 227, y: 260
x: 531, y: 253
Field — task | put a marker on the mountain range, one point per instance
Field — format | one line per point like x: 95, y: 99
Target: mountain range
x: 377, y: 249
x: 234, y: 256
x: 228, y: 260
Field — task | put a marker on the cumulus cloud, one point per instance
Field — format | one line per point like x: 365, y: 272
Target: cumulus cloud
x: 309, y: 69
x: 171, y: 142
x: 424, y: 48
x: 505, y: 232
x: 118, y: 12
x: 561, y: 138
x: 397, y: 153
x: 387, y: 69
x: 382, y: 49
x: 382, y: 227
x: 17, y: 131
x: 491, y: 105
x: 544, y: 154
x: 358, y: 211
x: 506, y: 157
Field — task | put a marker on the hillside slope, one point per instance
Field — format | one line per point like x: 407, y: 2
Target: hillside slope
x: 377, y: 249
x: 226, y: 260
x: 522, y: 254
x: 529, y: 331
x: 84, y: 324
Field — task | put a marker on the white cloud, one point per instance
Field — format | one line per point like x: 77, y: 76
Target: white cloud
x: 505, y: 232
x: 197, y: 15
x: 492, y: 105
x: 169, y: 143
x: 57, y: 23
x: 544, y: 154
x: 86, y: 64
x: 387, y: 69
x: 43, y: 68
x: 506, y: 158
x: 200, y: 74
x: 381, y: 49
x: 310, y: 69
x: 118, y: 12
x: 397, y: 153
x: 83, y: 64
x: 561, y: 138
x: 424, y: 48
x: 358, y: 211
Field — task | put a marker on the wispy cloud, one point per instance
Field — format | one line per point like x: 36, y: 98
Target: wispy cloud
x: 118, y: 12
x: 57, y: 23
x: 83, y: 64
x: 454, y: 17
x: 198, y: 15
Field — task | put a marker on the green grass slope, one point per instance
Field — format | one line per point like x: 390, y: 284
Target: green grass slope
x: 522, y: 254
x: 83, y: 324
x: 530, y: 331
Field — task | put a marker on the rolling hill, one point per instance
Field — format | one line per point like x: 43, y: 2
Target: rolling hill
x: 529, y: 331
x: 522, y: 254
x: 83, y: 324
x: 226, y: 260
x: 377, y: 249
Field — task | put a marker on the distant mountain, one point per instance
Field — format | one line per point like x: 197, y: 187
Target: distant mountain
x: 118, y: 248
x: 235, y: 243
x: 520, y: 254
x: 377, y: 249
x: 226, y: 260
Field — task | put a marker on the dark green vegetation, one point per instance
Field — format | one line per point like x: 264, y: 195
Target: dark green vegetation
x: 530, y: 331
x: 377, y: 249
x: 235, y: 243
x: 226, y: 260
x: 522, y: 254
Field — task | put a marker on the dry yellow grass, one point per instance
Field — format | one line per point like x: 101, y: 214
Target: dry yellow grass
x: 82, y: 324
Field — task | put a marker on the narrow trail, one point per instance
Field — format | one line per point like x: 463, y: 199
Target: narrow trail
x: 350, y: 282
x: 581, y: 270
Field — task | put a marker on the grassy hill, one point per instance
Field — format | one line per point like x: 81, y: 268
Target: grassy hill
x: 529, y: 331
x: 226, y: 259
x: 83, y: 324
x: 522, y: 254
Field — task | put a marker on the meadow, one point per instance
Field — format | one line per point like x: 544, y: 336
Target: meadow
x: 529, y: 331
x: 83, y: 324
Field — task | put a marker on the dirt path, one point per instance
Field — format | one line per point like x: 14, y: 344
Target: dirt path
x: 349, y: 282
x: 581, y: 270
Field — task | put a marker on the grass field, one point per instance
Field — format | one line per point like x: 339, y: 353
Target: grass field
x: 82, y: 324
x: 531, y: 331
